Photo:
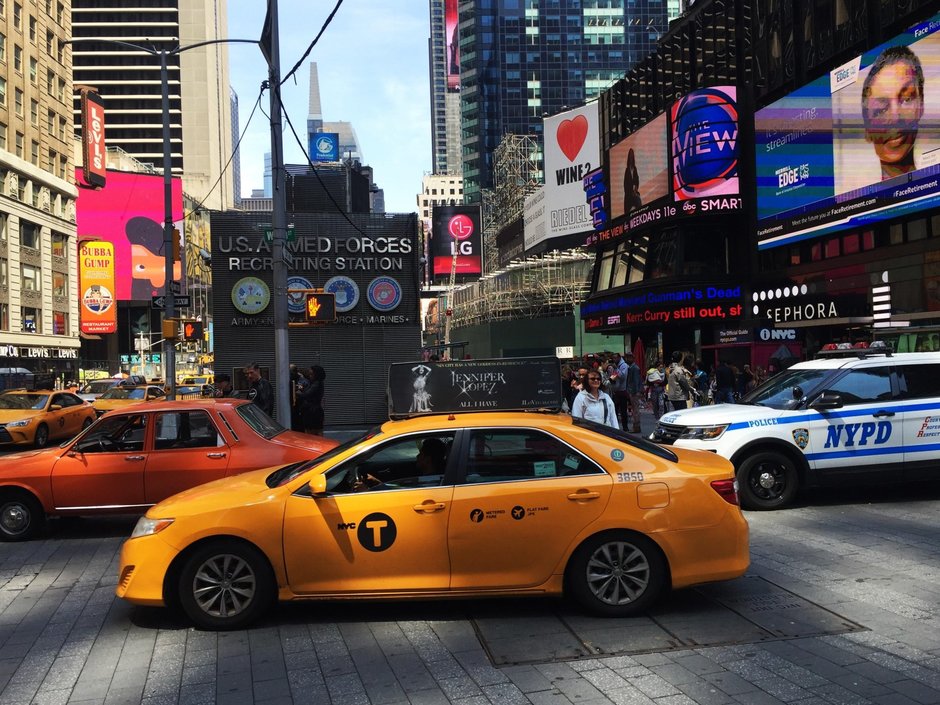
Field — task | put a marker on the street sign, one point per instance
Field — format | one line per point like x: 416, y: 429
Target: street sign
x: 176, y: 287
x: 159, y: 302
x: 269, y: 234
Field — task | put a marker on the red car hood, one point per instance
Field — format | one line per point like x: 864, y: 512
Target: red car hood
x: 318, y: 444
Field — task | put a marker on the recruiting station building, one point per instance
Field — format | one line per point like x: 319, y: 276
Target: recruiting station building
x: 370, y: 262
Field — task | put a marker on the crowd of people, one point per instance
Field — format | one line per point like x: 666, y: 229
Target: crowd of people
x: 613, y: 390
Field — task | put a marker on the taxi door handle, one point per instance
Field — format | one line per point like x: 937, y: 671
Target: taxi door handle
x: 428, y: 507
x: 134, y: 457
x: 584, y: 494
x: 882, y: 413
x: 215, y: 455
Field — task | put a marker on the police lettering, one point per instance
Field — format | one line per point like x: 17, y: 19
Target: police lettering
x: 858, y: 434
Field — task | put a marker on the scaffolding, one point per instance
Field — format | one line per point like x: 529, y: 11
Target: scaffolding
x: 535, y: 287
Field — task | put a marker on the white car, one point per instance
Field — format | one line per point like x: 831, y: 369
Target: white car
x: 874, y: 416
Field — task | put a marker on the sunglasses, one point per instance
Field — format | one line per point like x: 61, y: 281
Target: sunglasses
x: 594, y: 379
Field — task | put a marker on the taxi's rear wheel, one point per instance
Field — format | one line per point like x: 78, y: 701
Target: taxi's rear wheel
x: 42, y: 436
x: 617, y: 574
x: 767, y: 480
x: 225, y: 584
x: 21, y: 516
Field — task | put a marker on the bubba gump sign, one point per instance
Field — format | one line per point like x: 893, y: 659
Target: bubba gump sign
x: 96, y: 286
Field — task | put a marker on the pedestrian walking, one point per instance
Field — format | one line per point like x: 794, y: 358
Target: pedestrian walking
x: 259, y: 389
x: 632, y: 389
x: 310, y: 400
x: 656, y: 388
x: 593, y: 404
x: 678, y: 386
x: 618, y: 387
x: 724, y: 383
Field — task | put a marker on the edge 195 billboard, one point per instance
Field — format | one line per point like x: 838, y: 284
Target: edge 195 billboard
x: 856, y: 146
x: 456, y: 230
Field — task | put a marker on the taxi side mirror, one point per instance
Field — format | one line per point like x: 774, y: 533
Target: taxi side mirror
x: 55, y: 407
x: 318, y: 485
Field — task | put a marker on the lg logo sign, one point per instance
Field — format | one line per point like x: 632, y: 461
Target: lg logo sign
x: 776, y: 334
x: 460, y: 227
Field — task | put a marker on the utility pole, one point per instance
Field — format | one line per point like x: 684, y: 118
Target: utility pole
x: 282, y: 392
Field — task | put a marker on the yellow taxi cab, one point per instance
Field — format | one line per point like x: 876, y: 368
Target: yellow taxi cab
x: 196, y: 380
x: 38, y: 417
x: 120, y: 397
x: 447, y: 505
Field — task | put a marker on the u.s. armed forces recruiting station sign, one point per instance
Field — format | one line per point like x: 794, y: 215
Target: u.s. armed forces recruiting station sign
x: 381, y: 262
x: 474, y: 385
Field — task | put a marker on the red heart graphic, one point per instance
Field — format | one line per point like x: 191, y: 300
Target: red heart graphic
x: 571, y: 135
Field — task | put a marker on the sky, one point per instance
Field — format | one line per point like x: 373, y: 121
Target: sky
x: 372, y: 63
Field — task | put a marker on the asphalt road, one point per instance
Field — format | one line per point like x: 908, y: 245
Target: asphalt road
x: 840, y: 606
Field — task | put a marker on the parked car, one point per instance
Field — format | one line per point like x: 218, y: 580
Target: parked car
x: 30, y: 417
x: 22, y: 378
x: 861, y: 416
x: 137, y: 456
x: 450, y: 505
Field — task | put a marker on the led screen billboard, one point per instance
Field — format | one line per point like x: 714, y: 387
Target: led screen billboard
x: 129, y: 212
x: 705, y: 144
x: 456, y: 229
x: 639, y: 164
x: 324, y: 147
x: 855, y: 146
x: 452, y: 37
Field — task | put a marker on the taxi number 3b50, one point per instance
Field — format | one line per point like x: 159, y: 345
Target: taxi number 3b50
x: 629, y: 477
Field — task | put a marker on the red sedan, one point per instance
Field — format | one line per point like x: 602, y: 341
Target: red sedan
x: 135, y: 457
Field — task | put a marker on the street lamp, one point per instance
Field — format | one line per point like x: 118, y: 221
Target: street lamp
x: 169, y: 312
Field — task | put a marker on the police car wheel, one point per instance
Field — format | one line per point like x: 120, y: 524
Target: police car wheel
x: 225, y: 584
x: 616, y: 574
x: 767, y: 480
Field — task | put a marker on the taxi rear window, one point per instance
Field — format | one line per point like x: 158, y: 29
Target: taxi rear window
x: 622, y: 437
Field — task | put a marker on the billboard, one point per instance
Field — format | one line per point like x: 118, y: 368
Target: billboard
x: 98, y: 310
x: 572, y: 150
x: 682, y: 163
x: 324, y: 147
x: 639, y: 163
x: 452, y: 38
x: 705, y: 144
x: 456, y: 230
x: 129, y: 212
x: 94, y: 157
x: 855, y: 146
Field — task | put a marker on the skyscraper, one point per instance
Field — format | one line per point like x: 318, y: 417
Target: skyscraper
x: 236, y: 156
x: 520, y: 61
x: 130, y: 86
x: 444, y: 66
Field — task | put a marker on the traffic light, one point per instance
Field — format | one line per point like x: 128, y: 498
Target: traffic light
x: 192, y: 330
x: 169, y: 328
x: 321, y: 308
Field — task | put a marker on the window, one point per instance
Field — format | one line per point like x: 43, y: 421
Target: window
x: 3, y: 273
x: 18, y: 99
x: 31, y: 319
x: 60, y: 323
x: 919, y: 381
x: 33, y: 71
x: 29, y: 234
x: 61, y: 90
x: 18, y: 58
x: 861, y: 386
x: 31, y: 278
x: 3, y: 216
x: 60, y: 242
x: 3, y: 135
x: 116, y: 434
x: 50, y: 82
x: 17, y: 15
x: 3, y: 91
x: 522, y: 454
x: 50, y: 122
x: 62, y: 127
x: 188, y: 429
x: 34, y: 156
x: 402, y: 463
x: 3, y: 47
x: 60, y: 284
x: 50, y: 43
x: 4, y: 317
x: 32, y: 29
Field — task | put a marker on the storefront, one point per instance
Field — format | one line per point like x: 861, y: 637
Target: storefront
x: 61, y: 363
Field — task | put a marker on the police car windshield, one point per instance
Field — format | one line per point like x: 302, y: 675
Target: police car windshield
x: 777, y: 392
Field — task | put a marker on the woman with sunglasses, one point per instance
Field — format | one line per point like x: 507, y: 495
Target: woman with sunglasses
x: 593, y: 404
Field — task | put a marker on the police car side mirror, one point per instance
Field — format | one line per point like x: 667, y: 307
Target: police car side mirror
x: 797, y: 393
x: 827, y: 400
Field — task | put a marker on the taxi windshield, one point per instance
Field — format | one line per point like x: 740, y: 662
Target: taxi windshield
x: 778, y: 391
x: 23, y: 401
x: 289, y: 472
x: 99, y: 387
x: 125, y: 393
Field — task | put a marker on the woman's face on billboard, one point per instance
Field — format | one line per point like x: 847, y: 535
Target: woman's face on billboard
x: 894, y: 107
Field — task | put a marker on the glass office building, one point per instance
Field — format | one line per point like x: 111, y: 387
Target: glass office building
x: 523, y: 59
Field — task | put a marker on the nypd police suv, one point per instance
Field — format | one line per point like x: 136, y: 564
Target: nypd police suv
x: 872, y: 416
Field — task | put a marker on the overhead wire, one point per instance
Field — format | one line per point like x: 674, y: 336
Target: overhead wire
x: 313, y: 43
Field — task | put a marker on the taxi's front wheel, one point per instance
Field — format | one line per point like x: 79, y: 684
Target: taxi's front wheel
x: 617, y: 574
x: 225, y: 584
x: 21, y: 516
